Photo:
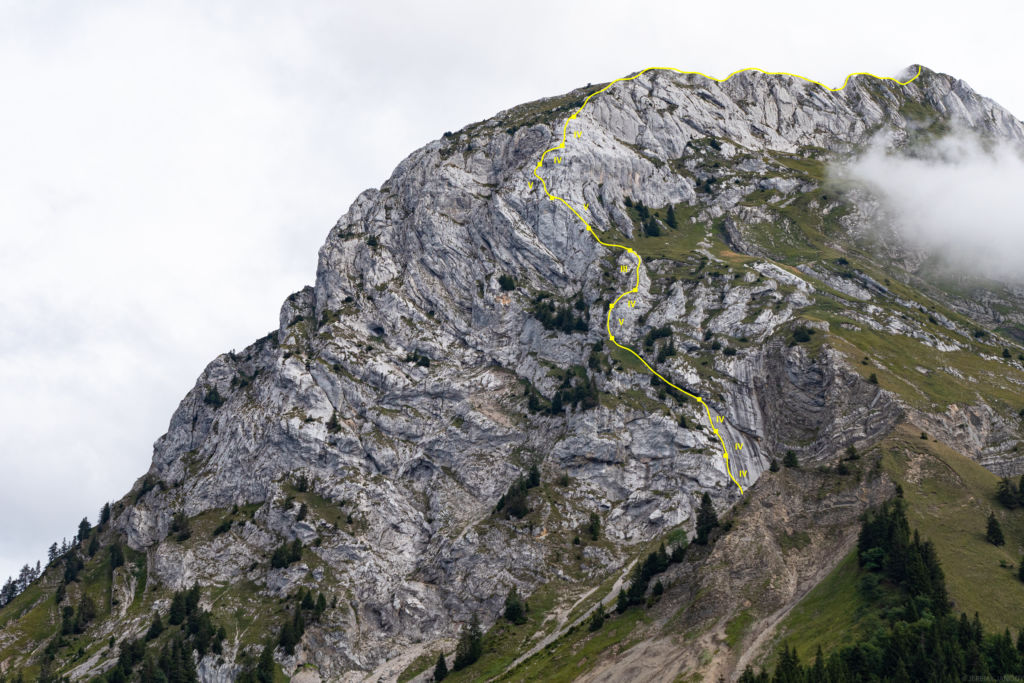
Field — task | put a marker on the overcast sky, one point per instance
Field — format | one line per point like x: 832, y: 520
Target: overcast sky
x: 169, y: 170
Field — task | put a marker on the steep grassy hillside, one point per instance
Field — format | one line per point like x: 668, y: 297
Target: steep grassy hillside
x: 948, y: 499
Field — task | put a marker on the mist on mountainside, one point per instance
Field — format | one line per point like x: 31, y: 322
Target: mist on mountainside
x: 958, y: 198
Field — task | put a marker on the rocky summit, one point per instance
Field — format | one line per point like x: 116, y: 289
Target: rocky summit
x: 439, y: 451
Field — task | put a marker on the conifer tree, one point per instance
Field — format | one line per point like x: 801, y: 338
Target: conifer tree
x: 1007, y: 493
x: 818, y: 671
x: 514, y: 611
x: 622, y: 603
x: 556, y: 404
x: 156, y: 627
x: 116, y: 556
x: 83, y: 529
x: 470, y: 645
x: 534, y: 476
x: 192, y: 599
x: 150, y: 671
x: 707, y: 519
x: 788, y: 669
x: 597, y: 618
x: 177, y: 612
x: 321, y: 605
x: 86, y: 612
x: 651, y: 228
x: 661, y: 560
x: 994, y: 533
x: 678, y: 552
x: 441, y: 668
x: 265, y: 666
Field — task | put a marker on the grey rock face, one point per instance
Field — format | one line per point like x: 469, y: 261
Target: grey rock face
x: 395, y: 384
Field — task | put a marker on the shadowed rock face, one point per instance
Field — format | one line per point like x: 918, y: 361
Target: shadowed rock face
x: 419, y: 453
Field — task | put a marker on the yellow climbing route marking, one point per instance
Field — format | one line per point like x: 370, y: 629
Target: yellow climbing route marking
x: 631, y: 252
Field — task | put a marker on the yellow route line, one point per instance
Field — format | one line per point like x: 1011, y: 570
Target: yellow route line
x: 639, y: 261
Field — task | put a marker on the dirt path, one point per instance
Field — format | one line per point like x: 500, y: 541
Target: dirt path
x: 563, y: 615
x: 390, y: 670
x: 662, y: 659
x: 765, y: 629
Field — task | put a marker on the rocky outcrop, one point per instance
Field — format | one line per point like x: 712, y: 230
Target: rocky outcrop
x: 979, y: 432
x: 786, y: 537
x: 396, y: 387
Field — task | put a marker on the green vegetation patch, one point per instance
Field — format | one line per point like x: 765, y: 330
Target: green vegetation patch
x: 833, y: 614
x: 895, y: 360
x: 948, y: 499
x: 418, y: 666
x: 505, y: 641
x: 736, y: 627
x: 812, y: 168
x: 794, y: 541
x: 580, y: 649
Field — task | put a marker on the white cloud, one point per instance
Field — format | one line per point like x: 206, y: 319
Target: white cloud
x: 955, y: 199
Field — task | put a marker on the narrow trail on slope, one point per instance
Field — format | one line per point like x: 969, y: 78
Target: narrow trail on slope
x: 562, y: 627
x: 633, y: 253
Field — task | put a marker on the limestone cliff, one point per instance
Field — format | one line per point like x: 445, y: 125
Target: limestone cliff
x: 383, y: 419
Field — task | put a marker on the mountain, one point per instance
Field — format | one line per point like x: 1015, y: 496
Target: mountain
x: 442, y: 416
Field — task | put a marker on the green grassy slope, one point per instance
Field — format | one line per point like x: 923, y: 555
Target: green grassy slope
x: 948, y: 499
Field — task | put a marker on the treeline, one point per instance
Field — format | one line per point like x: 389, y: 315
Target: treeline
x: 306, y: 610
x: 655, y: 334
x: 659, y: 560
x: 942, y: 649
x: 886, y: 547
x: 75, y: 618
x: 193, y: 631
x: 14, y: 586
x: 286, y: 553
x: 636, y: 593
x: 920, y: 640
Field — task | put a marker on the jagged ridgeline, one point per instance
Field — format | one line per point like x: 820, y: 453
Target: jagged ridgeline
x: 438, y: 465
